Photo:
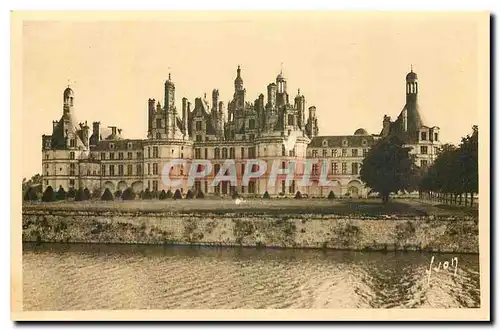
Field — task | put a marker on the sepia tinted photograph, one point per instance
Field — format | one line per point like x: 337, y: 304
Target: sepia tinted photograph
x: 297, y: 165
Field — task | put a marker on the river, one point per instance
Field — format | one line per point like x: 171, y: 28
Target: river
x: 89, y: 276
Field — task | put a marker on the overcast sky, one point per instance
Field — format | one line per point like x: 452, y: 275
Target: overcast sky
x: 352, y: 67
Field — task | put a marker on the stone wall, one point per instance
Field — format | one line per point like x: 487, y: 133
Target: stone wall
x: 428, y: 233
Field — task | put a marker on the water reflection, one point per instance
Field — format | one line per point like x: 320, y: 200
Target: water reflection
x: 78, y: 277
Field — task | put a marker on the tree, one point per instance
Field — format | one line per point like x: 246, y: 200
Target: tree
x: 177, y: 195
x: 118, y: 194
x: 128, y: 194
x: 388, y: 167
x: 48, y: 194
x: 331, y: 195
x: 146, y: 195
x: 169, y: 194
x: 80, y: 195
x: 298, y: 195
x: 200, y: 195
x: 96, y: 193
x: 189, y: 194
x: 107, y: 195
x: 61, y: 194
x: 71, y: 193
x: 266, y: 195
x: 163, y: 195
x: 30, y: 195
x: 468, y: 156
x: 34, y: 181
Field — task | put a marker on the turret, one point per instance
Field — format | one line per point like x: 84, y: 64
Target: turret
x: 271, y: 95
x: 169, y: 94
x: 68, y: 100
x: 215, y: 100
x: 238, y: 82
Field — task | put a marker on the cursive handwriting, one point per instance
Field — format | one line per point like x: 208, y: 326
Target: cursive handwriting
x: 442, y: 266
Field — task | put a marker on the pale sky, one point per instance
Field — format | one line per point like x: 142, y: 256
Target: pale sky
x: 352, y: 67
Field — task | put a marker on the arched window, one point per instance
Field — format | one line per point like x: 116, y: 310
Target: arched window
x: 224, y: 153
x: 283, y: 151
x: 217, y: 153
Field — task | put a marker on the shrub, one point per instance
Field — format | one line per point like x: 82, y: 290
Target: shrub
x: 235, y: 195
x: 177, y: 195
x: 128, y: 194
x: 79, y: 195
x: 266, y: 195
x: 331, y: 195
x: 48, y: 194
x: 163, y: 195
x: 107, y: 195
x: 189, y: 194
x: 154, y: 194
x: 71, y: 193
x: 146, y: 195
x: 96, y: 193
x: 118, y: 194
x: 170, y: 195
x: 298, y: 195
x: 30, y: 195
x: 200, y: 195
x: 61, y: 194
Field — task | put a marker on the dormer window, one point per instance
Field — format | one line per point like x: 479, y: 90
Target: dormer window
x: 325, y: 143
x: 364, y: 142
x: 112, y: 146
x: 344, y: 142
x: 423, y: 136
x: 129, y: 145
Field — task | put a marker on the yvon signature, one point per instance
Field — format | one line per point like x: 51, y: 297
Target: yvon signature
x: 447, y: 266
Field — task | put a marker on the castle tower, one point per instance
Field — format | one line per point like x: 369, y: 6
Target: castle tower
x: 169, y: 94
x: 238, y: 82
x: 271, y: 95
x: 282, y: 95
x: 68, y: 100
x: 412, y: 120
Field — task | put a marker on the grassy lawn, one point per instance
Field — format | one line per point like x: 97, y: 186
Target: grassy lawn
x: 399, y: 207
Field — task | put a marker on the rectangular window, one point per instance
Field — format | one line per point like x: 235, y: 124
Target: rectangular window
x: 196, y: 153
x: 111, y: 156
x: 111, y: 170
x: 139, y: 170
x: 120, y: 170
x: 435, y: 136
x: 355, y: 168
x: 335, y: 168
x: 120, y: 156
x: 423, y: 163
x: 71, y: 155
x: 129, y: 170
x: 314, y: 153
x: 423, y: 149
x: 103, y: 170
x: 325, y: 152
x: 206, y: 154
x: 72, y: 143
x: 149, y: 152
x: 242, y: 169
x: 423, y: 136
x: 155, y: 168
x: 344, y: 168
x: 72, y: 169
x: 158, y: 123
x: 242, y: 152
x: 334, y: 152
x: 344, y: 152
x: 155, y: 185
x: 155, y: 152
x: 139, y: 155
x: 355, y: 152
x: 129, y: 155
x: 149, y: 168
x: 314, y: 169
